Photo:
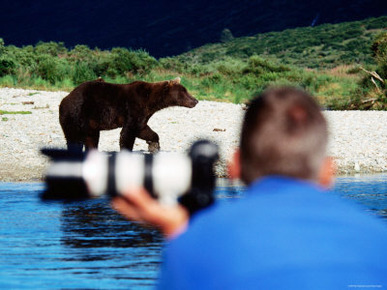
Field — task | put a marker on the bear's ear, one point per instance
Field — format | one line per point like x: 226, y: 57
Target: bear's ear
x: 176, y: 80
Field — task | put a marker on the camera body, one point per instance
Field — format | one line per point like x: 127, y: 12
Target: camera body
x: 169, y: 177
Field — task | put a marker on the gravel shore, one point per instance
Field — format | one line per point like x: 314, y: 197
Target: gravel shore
x: 358, y: 139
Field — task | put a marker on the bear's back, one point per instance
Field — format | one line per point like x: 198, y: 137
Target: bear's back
x: 97, y: 90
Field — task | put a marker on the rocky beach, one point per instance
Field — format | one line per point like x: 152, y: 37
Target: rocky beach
x: 29, y: 121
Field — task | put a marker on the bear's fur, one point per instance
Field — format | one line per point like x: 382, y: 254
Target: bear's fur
x: 97, y: 105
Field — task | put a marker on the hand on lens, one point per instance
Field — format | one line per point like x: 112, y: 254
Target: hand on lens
x: 137, y: 204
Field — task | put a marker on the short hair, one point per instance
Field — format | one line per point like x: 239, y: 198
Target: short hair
x: 284, y: 133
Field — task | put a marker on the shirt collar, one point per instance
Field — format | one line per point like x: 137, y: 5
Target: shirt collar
x: 273, y: 182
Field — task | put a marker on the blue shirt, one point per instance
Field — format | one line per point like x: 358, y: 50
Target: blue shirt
x: 285, y: 234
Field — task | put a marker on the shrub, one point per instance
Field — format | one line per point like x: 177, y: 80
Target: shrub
x: 379, y: 49
x: 25, y: 57
x: 2, y: 48
x: 8, y: 81
x: 230, y: 67
x: 50, y: 48
x: 81, y: 53
x: 170, y: 63
x: 52, y: 69
x: 226, y: 35
x: 123, y: 61
x: 7, y: 65
x: 354, y: 70
x: 82, y: 73
x: 375, y: 23
x: 100, y: 66
x: 41, y: 83
x: 371, y: 92
x: 258, y: 65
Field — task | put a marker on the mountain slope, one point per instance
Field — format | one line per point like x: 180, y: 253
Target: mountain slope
x: 325, y: 45
x: 167, y: 28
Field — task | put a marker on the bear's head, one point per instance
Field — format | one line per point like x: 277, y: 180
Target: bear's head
x: 178, y: 94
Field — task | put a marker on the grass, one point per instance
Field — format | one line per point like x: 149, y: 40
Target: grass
x: 3, y: 112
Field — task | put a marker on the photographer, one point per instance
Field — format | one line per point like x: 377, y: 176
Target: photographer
x: 288, y: 232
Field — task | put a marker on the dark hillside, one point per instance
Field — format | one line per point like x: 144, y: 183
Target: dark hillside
x: 322, y: 46
x: 166, y: 28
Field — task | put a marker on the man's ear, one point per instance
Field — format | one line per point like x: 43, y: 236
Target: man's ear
x: 234, y: 166
x: 327, y: 173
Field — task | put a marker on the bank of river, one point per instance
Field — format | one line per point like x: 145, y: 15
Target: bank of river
x: 357, y: 138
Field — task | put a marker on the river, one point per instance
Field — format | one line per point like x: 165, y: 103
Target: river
x: 86, y: 245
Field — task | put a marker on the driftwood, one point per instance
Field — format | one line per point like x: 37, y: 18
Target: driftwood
x: 369, y: 103
x: 373, y: 74
x: 369, y: 100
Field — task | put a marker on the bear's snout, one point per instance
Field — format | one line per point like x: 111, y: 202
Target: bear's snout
x: 189, y: 101
x: 193, y: 102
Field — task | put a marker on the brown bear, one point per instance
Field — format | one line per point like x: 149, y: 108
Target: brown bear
x: 97, y: 105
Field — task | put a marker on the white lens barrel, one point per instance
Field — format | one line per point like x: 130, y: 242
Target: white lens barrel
x: 172, y: 174
x: 129, y: 170
x: 95, y: 172
x: 65, y: 169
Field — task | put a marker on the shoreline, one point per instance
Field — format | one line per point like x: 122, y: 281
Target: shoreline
x: 358, y: 139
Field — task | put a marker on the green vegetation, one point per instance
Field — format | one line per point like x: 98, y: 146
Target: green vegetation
x: 2, y: 112
x: 327, y: 45
x: 343, y: 65
x: 373, y: 84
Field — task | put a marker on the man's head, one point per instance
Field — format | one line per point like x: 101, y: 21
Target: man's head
x: 283, y: 133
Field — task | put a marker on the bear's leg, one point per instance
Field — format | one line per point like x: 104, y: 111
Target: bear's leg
x: 75, y: 141
x: 127, y: 137
x: 92, y: 140
x: 151, y: 138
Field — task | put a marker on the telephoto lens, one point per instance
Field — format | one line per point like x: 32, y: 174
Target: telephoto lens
x: 169, y: 177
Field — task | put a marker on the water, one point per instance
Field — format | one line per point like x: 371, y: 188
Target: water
x: 369, y: 191
x: 73, y: 245
x: 88, y: 246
